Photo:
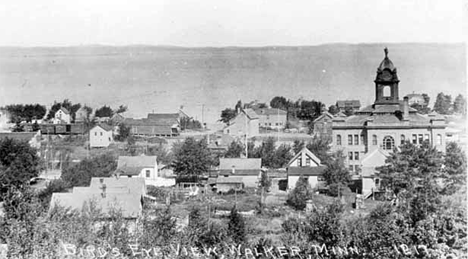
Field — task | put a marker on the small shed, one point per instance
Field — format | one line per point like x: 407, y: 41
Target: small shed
x: 224, y: 184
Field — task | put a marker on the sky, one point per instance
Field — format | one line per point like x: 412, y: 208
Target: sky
x: 195, y: 23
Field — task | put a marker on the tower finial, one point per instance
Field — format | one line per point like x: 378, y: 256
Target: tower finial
x: 386, y: 51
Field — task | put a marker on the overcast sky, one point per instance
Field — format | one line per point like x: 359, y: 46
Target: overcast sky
x: 229, y: 23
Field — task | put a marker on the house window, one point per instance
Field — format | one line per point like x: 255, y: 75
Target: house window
x: 148, y: 173
x: 307, y: 161
x: 350, y: 155
x: 374, y: 140
x: 350, y: 168
x: 388, y: 143
x: 110, y: 139
x: 426, y: 137
x: 402, y: 139
x: 420, y: 138
x: 299, y: 161
x: 350, y: 140
x: 356, y: 139
x: 338, y: 140
x: 101, y: 133
x: 95, y: 133
x: 439, y: 139
x: 356, y: 155
x: 415, y: 139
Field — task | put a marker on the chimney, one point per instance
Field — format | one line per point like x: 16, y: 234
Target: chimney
x: 233, y: 169
x: 103, y: 188
x: 405, y: 108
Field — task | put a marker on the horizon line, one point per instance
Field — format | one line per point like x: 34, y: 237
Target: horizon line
x: 225, y: 46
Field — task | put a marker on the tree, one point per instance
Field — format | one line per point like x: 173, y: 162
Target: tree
x: 227, y: 115
x: 235, y: 150
x: 45, y: 195
x: 336, y: 174
x: 320, y: 146
x: 443, y: 104
x: 459, y: 105
x: 302, y: 192
x: 349, y: 111
x: 282, y: 156
x: 279, y: 102
x: 298, y: 145
x: 28, y: 112
x: 104, y: 111
x: 193, y: 159
x: 122, y: 108
x: 333, y: 109
x: 19, y: 163
x: 81, y: 173
x: 123, y: 132
x: 421, y: 108
x: 455, y: 168
x: 236, y: 227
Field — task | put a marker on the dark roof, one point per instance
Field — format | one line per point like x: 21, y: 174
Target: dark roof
x: 22, y: 136
x: 152, y: 129
x: 240, y: 172
x: 163, y: 118
x: 306, y: 171
x: 230, y: 179
x: 136, y: 161
x: 64, y: 110
x: 348, y: 103
x: 386, y: 64
x: 325, y: 114
x: 269, y: 111
x: 136, y: 185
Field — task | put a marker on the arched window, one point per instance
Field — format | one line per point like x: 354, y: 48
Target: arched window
x: 402, y: 139
x: 388, y: 143
x: 374, y: 140
x: 338, y: 140
x: 386, y: 91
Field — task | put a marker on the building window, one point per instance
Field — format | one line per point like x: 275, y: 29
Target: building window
x: 350, y: 168
x: 307, y: 161
x: 386, y: 91
x: 420, y: 138
x: 363, y: 140
x: 415, y: 139
x: 101, y: 133
x: 402, y: 139
x: 388, y: 143
x: 95, y: 133
x: 356, y: 155
x: 426, y: 137
x: 374, y: 140
x: 350, y: 155
x: 338, y: 140
x: 299, y: 161
x: 439, y: 139
x: 356, y: 168
x: 356, y: 139
x: 350, y: 140
x: 148, y: 173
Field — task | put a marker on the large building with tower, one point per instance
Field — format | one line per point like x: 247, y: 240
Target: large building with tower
x: 384, y: 125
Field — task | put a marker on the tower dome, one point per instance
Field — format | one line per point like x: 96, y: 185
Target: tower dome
x: 386, y: 62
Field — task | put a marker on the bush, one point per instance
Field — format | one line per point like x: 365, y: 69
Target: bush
x: 298, y: 197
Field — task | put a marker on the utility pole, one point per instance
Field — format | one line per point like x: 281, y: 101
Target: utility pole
x: 277, y: 121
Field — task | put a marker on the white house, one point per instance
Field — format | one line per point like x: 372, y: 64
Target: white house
x: 100, y: 136
x: 62, y: 116
x: 369, y: 164
x: 249, y: 169
x: 245, y: 122
x: 143, y: 167
x: 307, y: 165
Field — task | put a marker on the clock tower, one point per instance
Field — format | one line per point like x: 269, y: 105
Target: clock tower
x: 386, y: 82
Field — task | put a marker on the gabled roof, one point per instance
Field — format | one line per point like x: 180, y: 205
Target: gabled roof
x: 375, y: 158
x: 269, y: 111
x: 306, y: 171
x: 104, y: 127
x: 136, y: 161
x: 251, y: 114
x: 308, y: 153
x: 64, y: 110
x: 128, y: 203
x: 325, y: 114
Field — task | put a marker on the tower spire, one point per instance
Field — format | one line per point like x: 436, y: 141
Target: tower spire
x: 386, y: 52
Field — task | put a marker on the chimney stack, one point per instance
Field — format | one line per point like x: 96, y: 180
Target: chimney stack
x: 103, y: 188
x: 405, y: 108
x: 233, y: 169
